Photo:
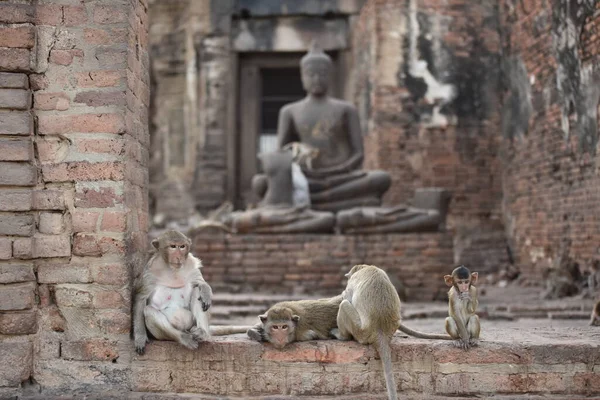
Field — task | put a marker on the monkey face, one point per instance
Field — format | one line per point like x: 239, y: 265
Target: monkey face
x: 176, y: 254
x: 280, y: 333
x: 463, y: 285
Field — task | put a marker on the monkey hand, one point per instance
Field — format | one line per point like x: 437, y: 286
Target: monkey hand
x: 140, y: 343
x: 465, y: 296
x: 205, y: 296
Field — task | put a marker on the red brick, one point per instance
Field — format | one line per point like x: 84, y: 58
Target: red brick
x: 18, y: 323
x: 18, y: 355
x: 38, y: 81
x: 113, y: 321
x: 61, y: 57
x: 16, y: 200
x: 22, y: 36
x: 48, y: 200
x: 16, y: 13
x: 97, y: 196
x: 85, y: 123
x: 13, y: 81
x: 108, y: 146
x: 111, y: 245
x: 22, y: 248
x: 14, y: 59
x: 51, y: 101
x: 17, y: 99
x: 112, y: 274
x: 82, y: 171
x: 100, y: 99
x: 15, y: 150
x: 99, y: 79
x: 51, y: 223
x: 110, y: 14
x: 52, y: 246
x: 86, y: 245
x: 108, y: 299
x: 51, y: 150
x: 114, y: 221
x: 17, y: 297
x: 74, y: 15
x: 16, y: 123
x: 95, y: 349
x: 18, y: 174
x: 63, y: 273
x: 73, y: 296
x: 48, y: 14
x: 85, y: 221
x: 106, y: 36
x: 13, y: 273
x: 111, y: 57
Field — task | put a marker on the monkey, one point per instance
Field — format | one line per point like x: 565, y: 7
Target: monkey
x: 370, y: 314
x: 595, y: 318
x: 297, y: 321
x: 302, y: 153
x: 462, y: 323
x: 171, y: 296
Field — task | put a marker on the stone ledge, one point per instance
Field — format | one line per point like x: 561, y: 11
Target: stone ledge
x: 511, y: 361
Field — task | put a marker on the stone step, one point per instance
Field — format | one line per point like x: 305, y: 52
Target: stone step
x: 517, y: 362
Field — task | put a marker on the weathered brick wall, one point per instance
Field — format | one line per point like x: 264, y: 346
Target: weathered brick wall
x: 316, y: 264
x: 550, y: 159
x: 74, y: 93
x: 439, y: 126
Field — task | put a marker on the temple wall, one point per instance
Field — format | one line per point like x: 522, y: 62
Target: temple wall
x: 316, y: 264
x: 550, y: 148
x: 426, y: 82
x: 74, y: 95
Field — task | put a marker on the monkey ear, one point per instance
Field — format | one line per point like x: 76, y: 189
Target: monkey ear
x: 448, y: 280
x: 155, y: 243
x: 295, y: 318
x: 263, y: 318
x: 474, y: 277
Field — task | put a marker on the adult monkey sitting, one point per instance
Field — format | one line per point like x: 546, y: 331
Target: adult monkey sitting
x: 171, y: 296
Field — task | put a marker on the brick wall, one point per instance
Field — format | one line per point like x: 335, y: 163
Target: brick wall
x: 316, y: 264
x: 417, y: 132
x: 550, y: 160
x: 73, y: 186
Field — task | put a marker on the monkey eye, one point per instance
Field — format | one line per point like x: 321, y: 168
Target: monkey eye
x: 173, y: 246
x: 182, y: 246
x: 284, y: 327
x: 275, y: 327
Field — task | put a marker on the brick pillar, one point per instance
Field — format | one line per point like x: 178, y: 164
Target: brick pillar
x: 73, y: 187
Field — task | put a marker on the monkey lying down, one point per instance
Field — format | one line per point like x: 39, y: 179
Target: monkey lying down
x: 172, y: 298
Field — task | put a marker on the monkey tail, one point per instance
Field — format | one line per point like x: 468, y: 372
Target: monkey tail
x: 385, y: 353
x: 221, y: 330
x: 422, y: 335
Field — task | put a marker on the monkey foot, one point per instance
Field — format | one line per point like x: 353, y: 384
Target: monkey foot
x: 199, y: 334
x: 188, y: 341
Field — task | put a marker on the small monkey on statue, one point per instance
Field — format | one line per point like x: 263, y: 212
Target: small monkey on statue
x: 595, y: 319
x: 462, y: 323
x: 171, y: 296
x: 297, y: 321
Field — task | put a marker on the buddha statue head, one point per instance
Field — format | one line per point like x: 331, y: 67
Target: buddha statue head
x: 315, y: 67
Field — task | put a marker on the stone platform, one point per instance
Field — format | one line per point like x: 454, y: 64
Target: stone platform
x: 550, y: 360
x: 305, y: 263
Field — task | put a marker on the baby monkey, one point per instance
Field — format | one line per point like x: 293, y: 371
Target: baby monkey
x: 297, y: 321
x: 595, y: 319
x: 462, y: 323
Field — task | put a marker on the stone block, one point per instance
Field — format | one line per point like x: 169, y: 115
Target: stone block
x: 13, y: 273
x: 51, y: 101
x: 17, y: 225
x: 18, y: 323
x: 16, y: 123
x: 16, y: 99
x: 16, y: 150
x: 17, y: 362
x: 22, y: 248
x: 17, y: 297
x: 14, y: 13
x: 17, y: 174
x: 101, y: 98
x: 73, y: 296
x: 11, y: 80
x: 51, y: 223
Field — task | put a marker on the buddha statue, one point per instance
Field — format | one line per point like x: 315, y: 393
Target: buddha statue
x: 332, y: 127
